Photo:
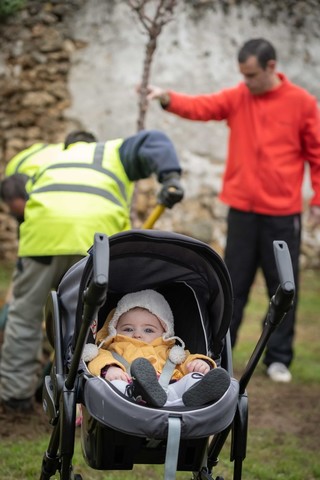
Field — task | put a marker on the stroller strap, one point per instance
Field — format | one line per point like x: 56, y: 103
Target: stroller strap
x: 122, y: 360
x: 172, y: 449
x: 174, y: 420
x: 165, y: 375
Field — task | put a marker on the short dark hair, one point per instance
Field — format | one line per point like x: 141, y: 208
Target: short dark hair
x: 260, y: 48
x: 79, y: 136
x: 13, y: 187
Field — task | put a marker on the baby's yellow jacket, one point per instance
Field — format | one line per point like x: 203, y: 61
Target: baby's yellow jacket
x: 156, y: 352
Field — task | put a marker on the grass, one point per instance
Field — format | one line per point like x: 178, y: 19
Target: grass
x: 306, y: 365
x: 277, y: 449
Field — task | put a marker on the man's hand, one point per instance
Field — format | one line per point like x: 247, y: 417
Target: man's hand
x: 172, y: 191
x: 156, y: 93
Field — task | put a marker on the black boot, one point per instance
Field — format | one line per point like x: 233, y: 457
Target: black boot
x: 209, y: 389
x: 145, y: 383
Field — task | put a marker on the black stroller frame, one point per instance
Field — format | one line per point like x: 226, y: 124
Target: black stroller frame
x: 116, y: 432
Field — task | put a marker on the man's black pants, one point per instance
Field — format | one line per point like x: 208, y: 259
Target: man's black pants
x: 249, y: 247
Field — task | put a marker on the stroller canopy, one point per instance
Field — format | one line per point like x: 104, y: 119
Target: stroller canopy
x: 192, y: 277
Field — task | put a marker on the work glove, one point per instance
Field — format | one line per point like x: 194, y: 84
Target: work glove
x: 172, y: 191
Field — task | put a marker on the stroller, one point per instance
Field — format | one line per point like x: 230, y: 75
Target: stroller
x: 116, y: 432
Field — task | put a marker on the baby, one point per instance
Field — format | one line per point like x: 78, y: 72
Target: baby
x: 137, y: 353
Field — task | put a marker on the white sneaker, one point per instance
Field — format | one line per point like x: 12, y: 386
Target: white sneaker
x: 278, y: 372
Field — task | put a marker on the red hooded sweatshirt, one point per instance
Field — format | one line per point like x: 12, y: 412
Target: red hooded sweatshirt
x: 271, y: 137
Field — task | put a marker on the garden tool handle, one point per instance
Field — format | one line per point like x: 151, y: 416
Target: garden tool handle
x: 153, y: 217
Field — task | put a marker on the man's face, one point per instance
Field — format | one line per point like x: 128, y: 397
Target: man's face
x: 258, y: 80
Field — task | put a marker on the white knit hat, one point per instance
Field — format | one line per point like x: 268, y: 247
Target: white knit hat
x: 150, y: 300
x: 155, y: 303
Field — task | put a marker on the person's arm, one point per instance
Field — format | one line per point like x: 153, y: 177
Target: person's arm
x: 214, y: 106
x: 157, y: 93
x: 148, y: 152
x: 192, y: 360
x: 199, y: 365
x: 114, y: 372
x: 103, y: 360
x: 151, y: 151
x: 206, y: 107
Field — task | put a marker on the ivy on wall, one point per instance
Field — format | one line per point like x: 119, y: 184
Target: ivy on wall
x: 9, y: 7
x: 297, y: 14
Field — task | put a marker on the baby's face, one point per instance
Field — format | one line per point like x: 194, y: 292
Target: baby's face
x: 141, y: 324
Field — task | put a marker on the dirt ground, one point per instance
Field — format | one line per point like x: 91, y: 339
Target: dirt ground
x: 285, y: 408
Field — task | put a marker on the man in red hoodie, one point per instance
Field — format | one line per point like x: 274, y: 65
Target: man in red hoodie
x: 274, y: 129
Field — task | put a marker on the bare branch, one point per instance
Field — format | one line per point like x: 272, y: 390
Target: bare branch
x: 153, y: 15
x: 163, y: 14
x: 153, y: 24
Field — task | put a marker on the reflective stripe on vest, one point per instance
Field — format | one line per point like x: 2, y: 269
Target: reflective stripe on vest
x: 69, y: 204
x: 95, y: 165
x: 21, y: 162
x: 80, y: 189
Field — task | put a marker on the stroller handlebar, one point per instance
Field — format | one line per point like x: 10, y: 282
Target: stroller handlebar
x: 93, y: 297
x: 279, y: 305
x: 284, y: 265
x: 96, y: 291
x: 282, y: 300
x: 100, y: 260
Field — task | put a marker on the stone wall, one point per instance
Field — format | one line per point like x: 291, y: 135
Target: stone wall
x: 73, y: 64
x: 36, y: 46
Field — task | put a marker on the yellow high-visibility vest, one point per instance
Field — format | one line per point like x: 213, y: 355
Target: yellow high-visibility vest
x: 30, y: 160
x: 86, y: 191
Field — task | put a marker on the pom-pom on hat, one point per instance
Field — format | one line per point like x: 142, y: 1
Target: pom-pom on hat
x: 150, y: 300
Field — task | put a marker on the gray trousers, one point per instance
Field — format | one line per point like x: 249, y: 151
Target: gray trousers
x: 20, y: 357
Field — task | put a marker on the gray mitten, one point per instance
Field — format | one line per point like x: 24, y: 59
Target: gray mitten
x: 172, y: 191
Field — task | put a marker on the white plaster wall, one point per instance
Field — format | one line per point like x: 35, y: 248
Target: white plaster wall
x: 195, y: 54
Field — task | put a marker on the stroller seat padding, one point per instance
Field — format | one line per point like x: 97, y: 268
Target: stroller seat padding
x: 115, y: 411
